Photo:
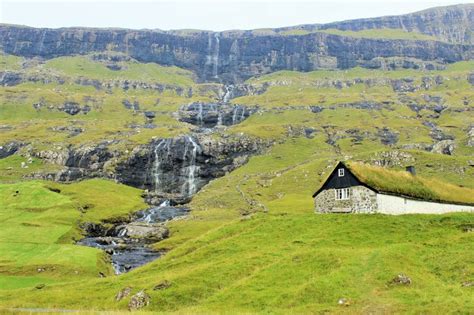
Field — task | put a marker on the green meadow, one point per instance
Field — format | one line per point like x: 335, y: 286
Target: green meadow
x: 252, y: 242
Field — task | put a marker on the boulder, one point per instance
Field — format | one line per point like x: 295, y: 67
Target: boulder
x: 123, y: 293
x: 444, y: 147
x: 401, y: 279
x: 142, y: 230
x: 139, y: 300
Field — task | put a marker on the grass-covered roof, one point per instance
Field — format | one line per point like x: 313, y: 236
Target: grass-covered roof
x: 405, y: 184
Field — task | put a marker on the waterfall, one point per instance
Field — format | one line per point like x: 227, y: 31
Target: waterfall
x: 41, y: 41
x: 172, y: 173
x: 215, y: 56
x: 228, y: 93
x: 199, y: 115
x: 242, y: 116
x: 236, y: 116
x: 189, y: 186
x: 219, y: 118
x: 158, y: 154
x: 209, y: 50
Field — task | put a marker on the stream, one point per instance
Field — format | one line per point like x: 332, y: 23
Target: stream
x: 129, y: 244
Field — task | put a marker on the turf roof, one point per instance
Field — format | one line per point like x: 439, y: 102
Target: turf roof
x: 403, y: 183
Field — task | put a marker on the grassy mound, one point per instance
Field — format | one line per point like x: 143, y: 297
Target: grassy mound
x: 39, y: 220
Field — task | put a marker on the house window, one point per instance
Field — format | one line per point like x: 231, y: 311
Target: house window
x: 343, y: 193
x: 340, y: 172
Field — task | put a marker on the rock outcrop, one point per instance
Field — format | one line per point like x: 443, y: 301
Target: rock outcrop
x: 210, y: 115
x: 183, y: 165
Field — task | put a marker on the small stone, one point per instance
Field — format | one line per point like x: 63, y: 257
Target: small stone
x: 40, y: 286
x: 401, y: 279
x: 139, y: 300
x: 162, y: 285
x: 344, y: 302
x: 123, y: 293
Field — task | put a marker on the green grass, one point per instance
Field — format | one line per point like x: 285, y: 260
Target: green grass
x: 10, y: 62
x: 385, y: 33
x: 298, y: 263
x: 228, y: 256
x: 38, y: 225
x: 380, y: 33
x: 81, y: 66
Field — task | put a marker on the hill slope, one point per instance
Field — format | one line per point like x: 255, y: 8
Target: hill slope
x: 85, y: 111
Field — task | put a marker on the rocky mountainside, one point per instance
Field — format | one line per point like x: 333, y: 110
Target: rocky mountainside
x: 237, y: 55
x: 454, y: 24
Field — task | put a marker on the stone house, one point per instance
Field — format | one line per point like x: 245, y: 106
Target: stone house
x: 366, y: 189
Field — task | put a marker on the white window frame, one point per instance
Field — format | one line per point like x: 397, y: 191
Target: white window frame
x: 340, y: 172
x: 342, y: 194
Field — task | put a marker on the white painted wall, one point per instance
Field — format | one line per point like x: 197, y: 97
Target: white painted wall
x: 398, y: 205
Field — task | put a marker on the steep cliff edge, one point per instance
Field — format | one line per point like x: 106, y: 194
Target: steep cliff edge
x: 235, y: 56
x: 454, y: 24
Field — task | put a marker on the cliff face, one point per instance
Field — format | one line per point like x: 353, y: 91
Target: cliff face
x: 454, y: 24
x: 235, y: 56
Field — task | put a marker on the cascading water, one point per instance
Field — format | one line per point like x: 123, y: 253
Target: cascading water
x: 215, y: 58
x: 236, y: 116
x: 189, y: 186
x: 229, y: 89
x: 126, y: 250
x: 160, y: 152
x: 199, y: 115
x: 172, y: 173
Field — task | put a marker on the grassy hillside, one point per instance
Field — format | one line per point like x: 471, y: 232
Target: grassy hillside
x: 39, y: 221
x: 252, y: 243
x: 300, y: 263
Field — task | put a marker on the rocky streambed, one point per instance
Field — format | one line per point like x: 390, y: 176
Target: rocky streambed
x: 129, y: 244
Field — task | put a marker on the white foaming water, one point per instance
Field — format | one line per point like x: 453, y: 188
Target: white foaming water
x: 215, y: 57
x: 199, y: 115
x: 236, y: 116
x: 219, y: 119
x: 190, y: 185
x: 158, y: 151
x: 228, y: 93
x: 122, y: 233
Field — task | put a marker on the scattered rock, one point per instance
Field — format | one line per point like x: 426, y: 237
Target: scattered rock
x: 9, y: 78
x: 444, y: 147
x: 401, y: 279
x: 123, y: 293
x: 467, y: 284
x: 162, y: 285
x: 149, y: 114
x: 387, y: 137
x: 40, y: 286
x: 344, y: 302
x: 72, y: 108
x: 139, y: 300
x: 467, y: 228
x: 316, y: 109
x: 129, y: 105
x: 9, y: 149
